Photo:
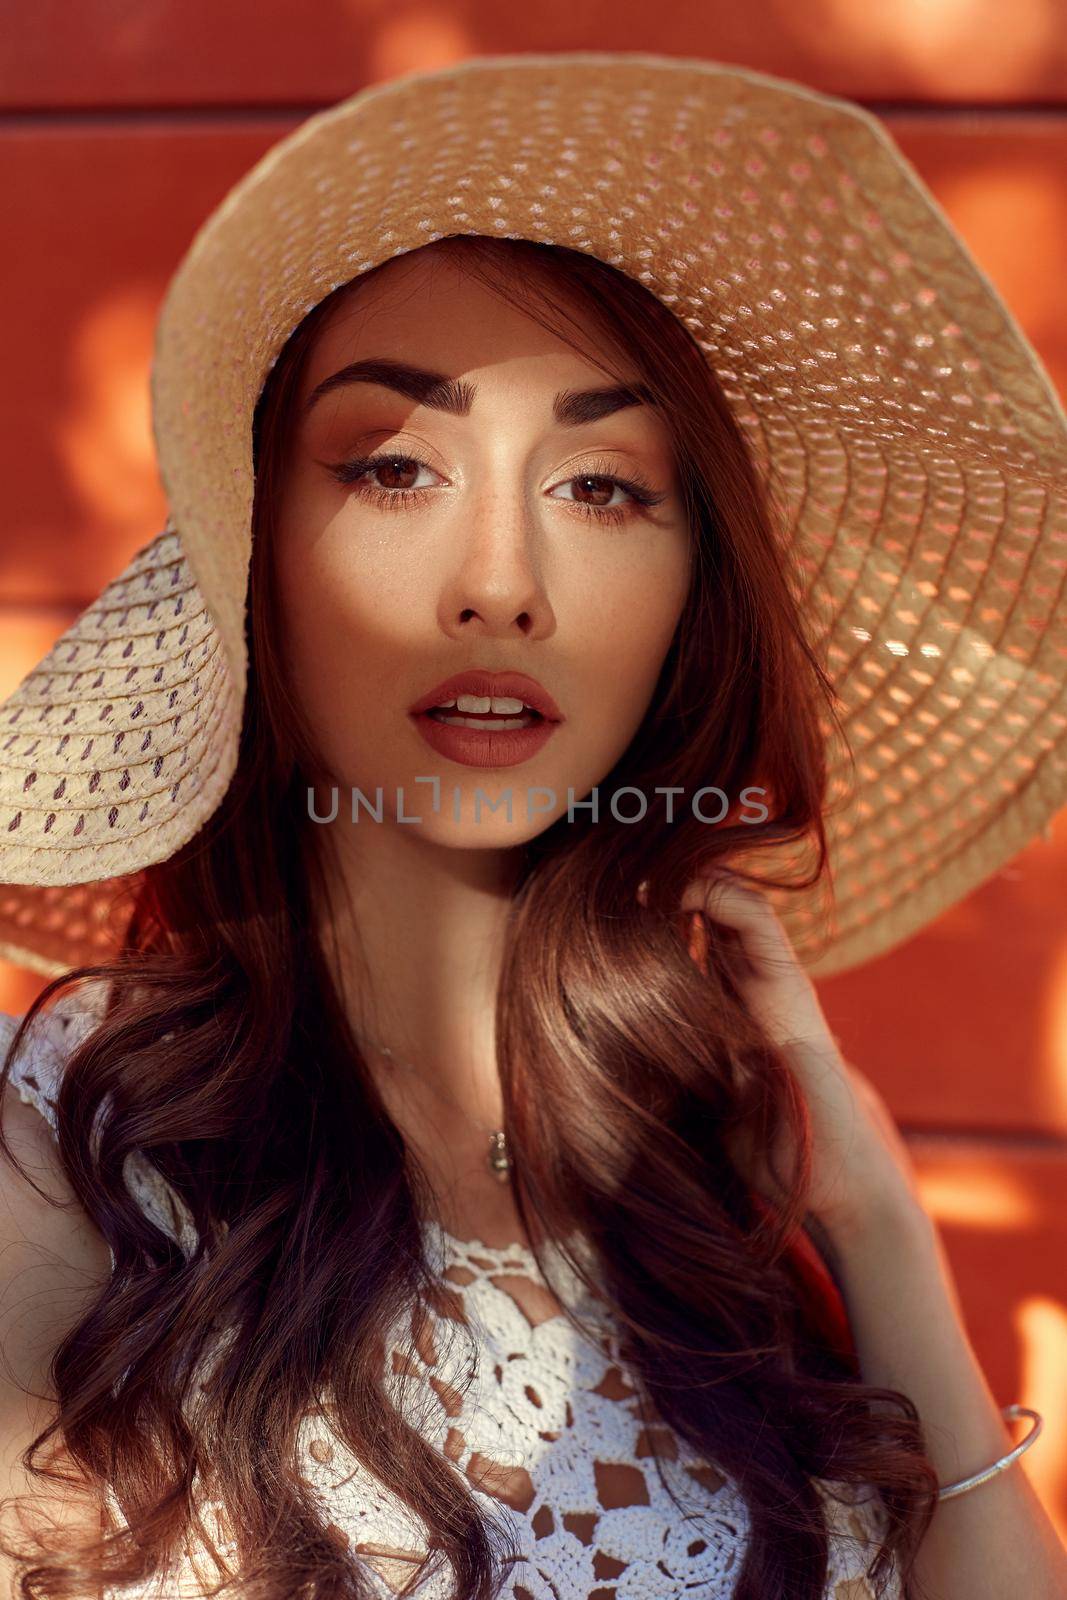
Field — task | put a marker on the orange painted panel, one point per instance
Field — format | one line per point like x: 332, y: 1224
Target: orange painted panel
x: 25, y: 636
x: 1004, y: 187
x: 1002, y: 1214
x: 270, y: 52
x: 103, y: 216
x: 965, y: 1024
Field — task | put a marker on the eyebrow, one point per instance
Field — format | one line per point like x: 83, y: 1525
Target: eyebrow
x: 571, y: 407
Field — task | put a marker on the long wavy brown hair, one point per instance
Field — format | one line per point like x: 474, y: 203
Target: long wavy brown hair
x: 226, y: 1059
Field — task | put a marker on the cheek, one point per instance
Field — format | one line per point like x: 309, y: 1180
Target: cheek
x: 625, y: 627
x: 341, y: 636
x: 633, y: 612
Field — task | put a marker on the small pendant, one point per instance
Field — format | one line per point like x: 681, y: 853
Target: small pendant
x: 498, y: 1160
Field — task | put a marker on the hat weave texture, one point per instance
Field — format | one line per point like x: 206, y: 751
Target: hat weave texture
x: 914, y: 449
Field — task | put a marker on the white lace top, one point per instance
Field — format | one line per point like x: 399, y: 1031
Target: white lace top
x: 547, y: 1434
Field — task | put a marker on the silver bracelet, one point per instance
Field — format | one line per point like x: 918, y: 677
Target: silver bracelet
x: 1008, y: 1413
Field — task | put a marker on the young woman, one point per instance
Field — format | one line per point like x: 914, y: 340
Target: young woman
x: 449, y: 1135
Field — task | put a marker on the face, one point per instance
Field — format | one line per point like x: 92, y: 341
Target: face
x: 488, y: 523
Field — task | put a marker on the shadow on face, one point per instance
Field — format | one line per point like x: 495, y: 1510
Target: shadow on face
x: 465, y: 490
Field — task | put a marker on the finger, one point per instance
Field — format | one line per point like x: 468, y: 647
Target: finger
x: 747, y: 911
x: 698, y: 930
x: 728, y: 892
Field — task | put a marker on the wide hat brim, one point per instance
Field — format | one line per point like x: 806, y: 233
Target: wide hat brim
x: 913, y: 445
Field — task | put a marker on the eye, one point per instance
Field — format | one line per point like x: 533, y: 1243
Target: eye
x: 601, y: 483
x: 601, y: 487
x: 351, y: 472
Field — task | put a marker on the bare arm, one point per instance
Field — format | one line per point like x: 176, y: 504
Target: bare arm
x: 52, y: 1262
x: 995, y: 1541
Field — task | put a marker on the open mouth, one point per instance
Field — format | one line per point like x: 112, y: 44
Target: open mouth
x: 494, y: 721
x: 486, y: 731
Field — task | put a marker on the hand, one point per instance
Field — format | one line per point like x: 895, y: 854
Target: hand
x: 861, y: 1171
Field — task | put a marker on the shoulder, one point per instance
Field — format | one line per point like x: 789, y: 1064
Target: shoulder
x: 53, y: 1263
x: 37, y: 1229
x: 30, y: 1099
x: 50, y: 1037
x: 30, y: 1224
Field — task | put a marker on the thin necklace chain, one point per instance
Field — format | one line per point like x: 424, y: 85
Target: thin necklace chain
x: 498, y: 1159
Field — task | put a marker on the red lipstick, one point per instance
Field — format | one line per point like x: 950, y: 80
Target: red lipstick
x: 494, y: 741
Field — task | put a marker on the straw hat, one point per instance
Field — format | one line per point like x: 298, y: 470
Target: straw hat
x: 911, y: 440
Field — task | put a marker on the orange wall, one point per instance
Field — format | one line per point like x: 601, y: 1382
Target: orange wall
x: 121, y: 128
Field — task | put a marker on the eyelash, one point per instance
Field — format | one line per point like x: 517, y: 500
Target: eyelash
x: 349, y: 472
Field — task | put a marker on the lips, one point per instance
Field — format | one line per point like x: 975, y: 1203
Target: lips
x: 495, y: 685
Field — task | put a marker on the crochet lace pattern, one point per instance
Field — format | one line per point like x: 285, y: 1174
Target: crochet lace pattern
x: 548, y: 1434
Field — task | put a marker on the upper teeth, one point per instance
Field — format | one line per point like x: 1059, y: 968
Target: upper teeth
x: 479, y: 704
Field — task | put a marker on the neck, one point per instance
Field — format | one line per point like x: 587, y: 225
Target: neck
x: 418, y: 930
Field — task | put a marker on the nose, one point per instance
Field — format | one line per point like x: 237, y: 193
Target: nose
x: 495, y: 585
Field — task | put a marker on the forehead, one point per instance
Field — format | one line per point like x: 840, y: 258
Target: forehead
x: 425, y: 308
